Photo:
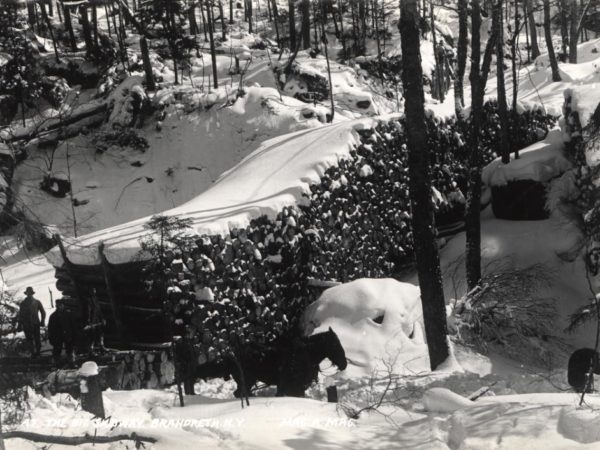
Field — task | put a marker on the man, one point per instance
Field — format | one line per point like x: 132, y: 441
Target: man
x: 61, y: 332
x: 30, y: 322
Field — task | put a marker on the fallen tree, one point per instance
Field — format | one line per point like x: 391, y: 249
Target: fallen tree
x: 76, y: 440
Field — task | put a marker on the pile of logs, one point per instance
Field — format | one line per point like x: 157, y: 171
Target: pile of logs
x: 145, y: 370
x: 122, y: 370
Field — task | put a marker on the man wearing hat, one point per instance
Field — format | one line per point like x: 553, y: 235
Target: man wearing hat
x: 61, y: 332
x: 30, y: 322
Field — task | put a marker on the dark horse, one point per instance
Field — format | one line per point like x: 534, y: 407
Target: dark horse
x: 292, y: 364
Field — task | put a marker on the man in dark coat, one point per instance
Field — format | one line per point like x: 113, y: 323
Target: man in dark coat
x: 30, y: 321
x: 61, y: 331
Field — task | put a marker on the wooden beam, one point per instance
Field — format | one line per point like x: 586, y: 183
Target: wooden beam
x: 116, y: 309
x: 69, y: 267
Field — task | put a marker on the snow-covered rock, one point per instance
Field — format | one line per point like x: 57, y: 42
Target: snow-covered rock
x: 581, y: 424
x: 378, y: 321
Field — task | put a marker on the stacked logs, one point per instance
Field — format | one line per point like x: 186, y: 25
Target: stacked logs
x: 118, y: 371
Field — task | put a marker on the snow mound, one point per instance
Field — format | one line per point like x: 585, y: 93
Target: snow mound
x: 541, y: 162
x: 444, y: 400
x: 581, y: 425
x: 273, y: 176
x: 378, y: 321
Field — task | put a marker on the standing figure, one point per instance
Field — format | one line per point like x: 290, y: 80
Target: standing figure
x: 95, y: 325
x: 30, y: 321
x: 61, y: 332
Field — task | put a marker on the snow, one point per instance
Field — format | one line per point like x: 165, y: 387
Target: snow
x: 444, y: 400
x: 540, y: 162
x: 353, y: 310
x: 273, y: 176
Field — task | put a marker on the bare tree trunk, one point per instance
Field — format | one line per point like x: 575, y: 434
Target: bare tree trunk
x: 305, y: 29
x: 95, y: 25
x: 513, y: 56
x: 147, y: 64
x: 461, y: 56
x: 50, y: 30
x: 69, y: 26
x: 223, y: 23
x: 324, y: 38
x: 573, y: 30
x: 502, y: 107
x: 438, y: 91
x: 276, y: 21
x: 231, y: 12
x: 478, y: 79
x: 204, y: 24
x: 564, y: 28
x: 548, y: 35
x: 428, y: 262
x: 250, y: 13
x: 213, y: 54
x: 535, y: 50
x: 87, y: 32
x: 2, y: 447
x: 292, y: 19
x: 192, y: 19
x: 341, y: 11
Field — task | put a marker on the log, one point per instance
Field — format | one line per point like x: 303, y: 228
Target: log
x: 116, y: 310
x: 76, y: 440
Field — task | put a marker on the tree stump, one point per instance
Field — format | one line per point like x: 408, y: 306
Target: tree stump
x: 91, y: 392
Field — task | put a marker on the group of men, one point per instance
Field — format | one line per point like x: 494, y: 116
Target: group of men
x: 63, y: 330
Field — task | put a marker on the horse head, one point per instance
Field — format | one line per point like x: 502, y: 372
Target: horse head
x: 334, y: 350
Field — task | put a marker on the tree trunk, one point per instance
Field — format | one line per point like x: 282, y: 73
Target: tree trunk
x: 223, y: 23
x: 461, y: 56
x: 325, y: 43
x: 573, y: 30
x: 192, y: 19
x: 478, y: 79
x: 548, y: 35
x: 95, y: 25
x: 204, y: 25
x: 276, y: 21
x: 513, y: 57
x: 473, y: 205
x: 250, y: 14
x: 292, y: 19
x: 502, y: 107
x: 231, y: 12
x: 31, y: 14
x: 305, y: 9
x: 535, y: 50
x: 428, y: 262
x: 69, y: 27
x: 564, y: 28
x: 341, y: 12
x: 213, y: 54
x: 438, y: 90
x: 2, y: 447
x: 87, y: 32
x: 150, y: 85
x: 50, y: 30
